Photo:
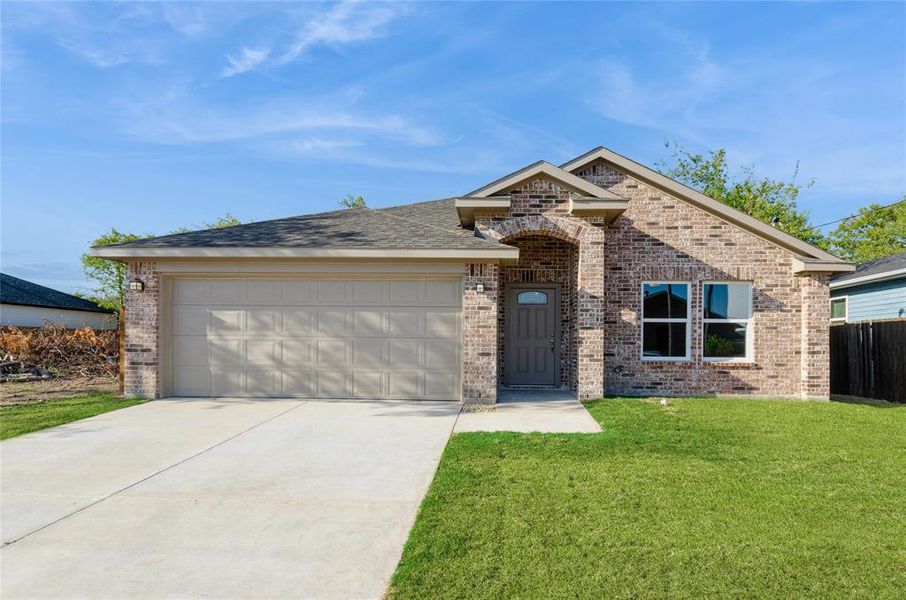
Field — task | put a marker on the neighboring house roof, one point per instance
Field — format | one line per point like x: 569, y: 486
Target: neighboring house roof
x: 880, y: 269
x: 18, y: 291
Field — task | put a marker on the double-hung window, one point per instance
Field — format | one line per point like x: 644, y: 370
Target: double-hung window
x: 727, y: 321
x: 666, y: 328
x: 839, y: 308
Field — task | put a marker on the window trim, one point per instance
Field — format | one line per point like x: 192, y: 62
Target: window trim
x: 750, y: 331
x: 687, y: 320
x: 845, y: 317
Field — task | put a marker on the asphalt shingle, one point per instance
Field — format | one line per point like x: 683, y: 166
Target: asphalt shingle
x: 19, y: 291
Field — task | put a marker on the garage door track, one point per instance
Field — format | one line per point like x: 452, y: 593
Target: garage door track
x: 219, y: 498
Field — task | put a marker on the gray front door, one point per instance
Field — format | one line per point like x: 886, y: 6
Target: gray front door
x: 532, y: 346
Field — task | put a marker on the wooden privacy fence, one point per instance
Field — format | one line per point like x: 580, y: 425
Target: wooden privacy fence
x: 869, y: 360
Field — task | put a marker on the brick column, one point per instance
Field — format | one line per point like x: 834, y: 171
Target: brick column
x: 590, y: 330
x: 815, y: 337
x: 142, y: 332
x: 479, y: 334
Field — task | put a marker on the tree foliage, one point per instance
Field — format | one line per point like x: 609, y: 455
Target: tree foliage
x: 769, y: 200
x: 109, y: 276
x: 351, y: 201
x: 875, y: 231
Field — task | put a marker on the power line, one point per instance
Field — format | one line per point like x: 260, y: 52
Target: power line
x: 867, y: 212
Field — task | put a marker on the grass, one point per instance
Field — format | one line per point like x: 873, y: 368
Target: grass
x: 19, y: 419
x: 704, y: 498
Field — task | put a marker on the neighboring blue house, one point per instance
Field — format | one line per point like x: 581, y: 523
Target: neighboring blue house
x: 875, y: 290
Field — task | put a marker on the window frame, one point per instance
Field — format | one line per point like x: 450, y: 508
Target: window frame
x: 749, y: 322
x: 845, y: 317
x: 687, y: 320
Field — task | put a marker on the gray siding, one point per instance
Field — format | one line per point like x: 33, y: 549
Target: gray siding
x: 872, y: 301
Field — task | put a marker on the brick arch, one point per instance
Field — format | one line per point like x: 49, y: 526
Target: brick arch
x: 567, y: 230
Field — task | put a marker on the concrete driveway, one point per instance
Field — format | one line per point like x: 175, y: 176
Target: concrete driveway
x: 218, y: 498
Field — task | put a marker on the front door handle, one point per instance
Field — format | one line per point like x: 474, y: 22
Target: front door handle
x: 552, y: 343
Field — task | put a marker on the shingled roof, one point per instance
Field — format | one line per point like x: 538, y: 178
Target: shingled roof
x: 19, y: 291
x: 401, y: 227
x: 873, y: 270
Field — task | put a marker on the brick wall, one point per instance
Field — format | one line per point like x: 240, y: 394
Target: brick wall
x: 663, y: 238
x: 142, y: 326
x: 479, y: 334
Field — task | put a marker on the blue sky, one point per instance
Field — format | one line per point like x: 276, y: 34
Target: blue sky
x: 152, y: 116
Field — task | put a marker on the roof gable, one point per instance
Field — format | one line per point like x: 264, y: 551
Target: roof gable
x: 542, y: 169
x: 696, y: 198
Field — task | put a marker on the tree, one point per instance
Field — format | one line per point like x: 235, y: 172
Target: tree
x: 875, y: 231
x: 110, y: 276
x: 769, y: 200
x: 351, y: 201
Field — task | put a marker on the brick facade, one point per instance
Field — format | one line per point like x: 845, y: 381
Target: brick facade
x: 479, y: 334
x: 142, y: 377
x: 660, y: 238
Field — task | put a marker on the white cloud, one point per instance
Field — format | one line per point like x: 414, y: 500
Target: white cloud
x: 247, y: 60
x: 345, y: 23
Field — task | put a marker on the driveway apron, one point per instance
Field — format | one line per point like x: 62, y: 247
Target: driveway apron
x: 308, y: 499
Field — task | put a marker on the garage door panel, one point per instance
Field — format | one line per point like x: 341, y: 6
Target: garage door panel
x: 405, y: 385
x: 328, y: 338
x: 227, y: 382
x: 334, y: 322
x: 401, y: 323
x: 193, y: 381
x: 298, y: 382
x: 332, y: 384
x: 368, y: 353
x: 369, y: 292
x: 369, y: 323
x: 297, y: 321
x: 191, y: 351
x: 367, y: 384
x: 228, y: 291
x: 297, y: 352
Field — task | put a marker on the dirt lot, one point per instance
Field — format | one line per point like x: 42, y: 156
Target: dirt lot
x: 38, y: 391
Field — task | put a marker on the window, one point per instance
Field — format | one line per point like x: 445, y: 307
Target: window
x: 727, y: 316
x: 838, y: 308
x: 532, y: 298
x: 665, y: 321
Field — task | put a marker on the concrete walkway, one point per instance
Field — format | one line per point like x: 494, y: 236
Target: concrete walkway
x: 547, y: 411
x: 218, y: 499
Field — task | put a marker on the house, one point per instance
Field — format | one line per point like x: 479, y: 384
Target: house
x: 601, y: 276
x: 27, y: 304
x: 876, y: 290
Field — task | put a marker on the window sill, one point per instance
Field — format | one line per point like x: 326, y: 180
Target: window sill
x: 729, y: 361
x: 654, y: 359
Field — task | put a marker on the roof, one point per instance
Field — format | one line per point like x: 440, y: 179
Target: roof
x: 433, y: 230
x: 880, y: 269
x: 361, y: 232
x: 706, y: 203
x: 19, y: 291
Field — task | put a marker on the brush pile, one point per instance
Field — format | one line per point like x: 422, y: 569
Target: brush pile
x: 53, y: 350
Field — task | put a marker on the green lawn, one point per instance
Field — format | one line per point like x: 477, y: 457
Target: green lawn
x: 704, y: 498
x: 25, y: 418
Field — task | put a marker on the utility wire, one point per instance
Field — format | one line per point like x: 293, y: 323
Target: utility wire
x: 868, y: 212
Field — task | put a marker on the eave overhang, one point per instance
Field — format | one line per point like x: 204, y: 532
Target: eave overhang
x: 503, y: 254
x: 608, y: 208
x: 467, y: 208
x: 803, y: 266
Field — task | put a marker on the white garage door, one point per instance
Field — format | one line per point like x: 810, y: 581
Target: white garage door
x: 324, y: 338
